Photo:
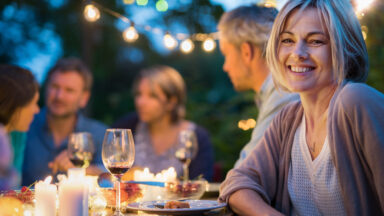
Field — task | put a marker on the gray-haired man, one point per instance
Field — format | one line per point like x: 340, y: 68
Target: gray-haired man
x: 244, y: 33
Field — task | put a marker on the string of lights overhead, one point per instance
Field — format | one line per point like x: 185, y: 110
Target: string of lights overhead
x: 130, y: 34
x: 171, y: 41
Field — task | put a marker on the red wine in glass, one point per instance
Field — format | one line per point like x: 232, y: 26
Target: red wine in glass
x: 118, y: 155
x: 118, y: 170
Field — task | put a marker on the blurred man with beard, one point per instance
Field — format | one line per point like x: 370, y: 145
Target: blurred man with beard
x: 68, y: 89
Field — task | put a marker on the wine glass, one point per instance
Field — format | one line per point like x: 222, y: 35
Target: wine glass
x: 80, y: 149
x: 118, y: 155
x: 187, y: 150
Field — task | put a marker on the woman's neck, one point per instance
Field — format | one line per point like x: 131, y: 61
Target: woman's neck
x: 316, y: 105
x: 161, y: 125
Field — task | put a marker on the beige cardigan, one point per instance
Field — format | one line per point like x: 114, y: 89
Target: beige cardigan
x: 356, y: 138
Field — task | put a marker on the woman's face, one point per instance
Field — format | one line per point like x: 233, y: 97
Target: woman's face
x: 151, y: 103
x: 22, y: 119
x: 305, y: 53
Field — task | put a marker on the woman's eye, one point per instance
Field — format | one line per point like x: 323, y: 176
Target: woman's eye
x: 286, y: 41
x: 316, y: 42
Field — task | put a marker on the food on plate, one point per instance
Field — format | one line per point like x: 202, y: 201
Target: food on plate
x: 185, y: 190
x: 176, y: 204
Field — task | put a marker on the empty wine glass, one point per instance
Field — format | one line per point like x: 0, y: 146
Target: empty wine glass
x: 80, y: 149
x: 187, y: 150
x: 118, y: 155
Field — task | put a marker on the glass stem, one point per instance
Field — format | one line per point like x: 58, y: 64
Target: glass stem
x: 118, y: 194
x: 185, y: 170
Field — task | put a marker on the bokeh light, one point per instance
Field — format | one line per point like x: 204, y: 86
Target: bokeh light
x: 128, y: 1
x: 209, y: 45
x: 246, y: 124
x: 91, y: 13
x: 187, y: 46
x: 169, y: 41
x: 162, y: 5
x: 130, y: 34
x: 362, y: 5
x: 142, y: 2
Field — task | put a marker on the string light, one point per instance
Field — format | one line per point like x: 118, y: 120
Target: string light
x: 91, y: 13
x: 209, y: 45
x: 270, y: 3
x: 162, y: 5
x: 363, y: 5
x: 169, y: 41
x: 142, y: 2
x: 128, y: 1
x: 187, y: 46
x: 130, y: 34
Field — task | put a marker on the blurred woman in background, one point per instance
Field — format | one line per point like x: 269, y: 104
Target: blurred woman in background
x: 160, y: 97
x: 18, y: 104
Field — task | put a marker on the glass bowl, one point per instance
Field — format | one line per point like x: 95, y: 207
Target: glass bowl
x: 193, y: 189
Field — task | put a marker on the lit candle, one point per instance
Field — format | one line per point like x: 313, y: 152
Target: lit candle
x: 73, y: 194
x: 45, y: 194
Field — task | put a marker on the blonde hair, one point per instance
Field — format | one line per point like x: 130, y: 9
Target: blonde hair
x: 247, y: 24
x: 170, y: 82
x: 348, y: 49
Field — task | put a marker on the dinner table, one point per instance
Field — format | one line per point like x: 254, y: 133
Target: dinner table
x: 211, y: 195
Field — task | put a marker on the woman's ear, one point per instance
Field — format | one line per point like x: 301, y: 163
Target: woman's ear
x: 172, y: 102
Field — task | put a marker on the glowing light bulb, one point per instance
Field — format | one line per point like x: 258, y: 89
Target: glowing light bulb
x: 130, y: 34
x: 363, y: 4
x: 270, y: 3
x: 142, y: 2
x: 209, y: 45
x: 187, y: 46
x: 169, y: 41
x: 91, y: 13
x: 162, y: 5
x: 129, y: 1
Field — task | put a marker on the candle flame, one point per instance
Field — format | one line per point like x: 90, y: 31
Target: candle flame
x: 48, y: 180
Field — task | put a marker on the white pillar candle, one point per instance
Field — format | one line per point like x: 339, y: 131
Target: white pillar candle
x: 45, y: 195
x: 73, y: 194
x: 76, y: 173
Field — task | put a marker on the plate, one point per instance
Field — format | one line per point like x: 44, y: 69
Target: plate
x: 196, y: 207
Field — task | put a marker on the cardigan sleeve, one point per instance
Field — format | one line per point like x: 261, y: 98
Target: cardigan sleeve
x: 357, y: 127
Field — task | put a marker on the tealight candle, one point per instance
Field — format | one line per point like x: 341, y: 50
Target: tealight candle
x: 45, y: 194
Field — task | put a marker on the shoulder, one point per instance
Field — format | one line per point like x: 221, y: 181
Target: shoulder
x: 201, y: 131
x: 358, y: 96
x: 130, y: 120
x: 94, y: 125
x: 202, y: 134
x: 290, y: 110
x: 39, y: 121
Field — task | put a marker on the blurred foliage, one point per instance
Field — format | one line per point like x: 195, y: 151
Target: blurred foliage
x: 374, y: 21
x: 212, y: 102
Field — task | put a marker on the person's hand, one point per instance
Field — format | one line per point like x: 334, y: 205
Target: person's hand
x: 61, y: 163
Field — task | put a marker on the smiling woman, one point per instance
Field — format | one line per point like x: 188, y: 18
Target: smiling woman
x: 322, y: 161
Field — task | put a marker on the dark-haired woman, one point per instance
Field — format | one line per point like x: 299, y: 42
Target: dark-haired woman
x: 18, y: 104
